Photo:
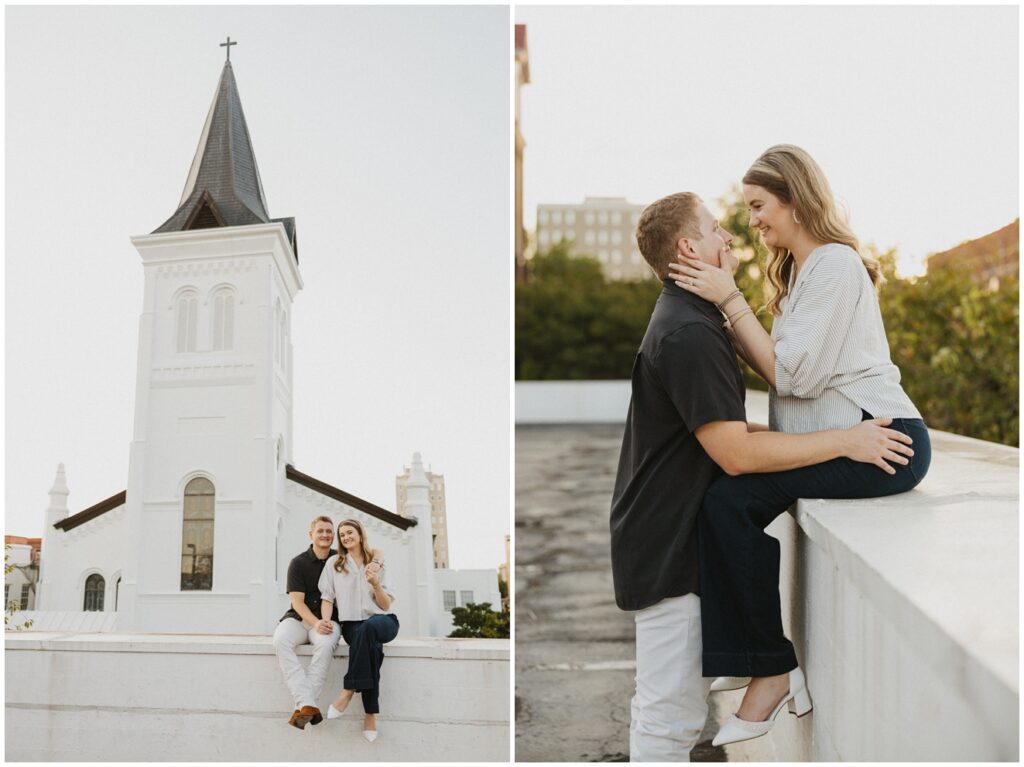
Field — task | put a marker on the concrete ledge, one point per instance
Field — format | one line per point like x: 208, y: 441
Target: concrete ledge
x: 560, y: 402
x: 904, y: 613
x: 120, y: 697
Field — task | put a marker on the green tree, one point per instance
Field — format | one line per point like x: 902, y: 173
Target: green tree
x: 573, y: 324
x: 479, y: 620
x: 956, y: 344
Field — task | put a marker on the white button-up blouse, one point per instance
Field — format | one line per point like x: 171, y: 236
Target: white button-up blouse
x: 350, y: 591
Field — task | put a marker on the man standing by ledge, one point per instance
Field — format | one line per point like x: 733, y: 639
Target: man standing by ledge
x: 687, y: 397
x: 300, y: 625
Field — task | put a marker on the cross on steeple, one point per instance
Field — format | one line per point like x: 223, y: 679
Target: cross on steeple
x: 228, y: 45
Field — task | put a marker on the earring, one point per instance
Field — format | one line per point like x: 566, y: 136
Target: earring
x: 797, y: 220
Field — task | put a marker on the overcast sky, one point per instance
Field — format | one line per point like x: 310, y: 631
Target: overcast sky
x: 912, y: 112
x: 385, y: 132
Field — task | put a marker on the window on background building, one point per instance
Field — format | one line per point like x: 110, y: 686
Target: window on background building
x: 602, y: 256
x: 570, y: 217
x: 543, y: 237
x: 556, y: 235
x: 616, y: 217
x: 588, y: 217
x: 635, y: 218
x: 467, y: 597
x: 602, y: 237
x: 188, y: 308
x: 197, y: 536
x: 602, y: 217
x: 588, y: 237
x: 7, y: 594
x: 616, y: 237
x: 542, y: 216
x: 94, y: 587
x: 556, y: 217
x: 223, y: 320
x: 449, y: 600
x: 616, y: 256
x: 25, y: 591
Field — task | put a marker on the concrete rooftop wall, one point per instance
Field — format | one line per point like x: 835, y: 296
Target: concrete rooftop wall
x: 121, y: 697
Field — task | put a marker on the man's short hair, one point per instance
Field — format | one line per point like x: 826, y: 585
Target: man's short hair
x: 662, y: 224
x: 321, y: 518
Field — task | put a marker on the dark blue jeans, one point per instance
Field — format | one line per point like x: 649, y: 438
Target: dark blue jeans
x: 741, y: 615
x: 365, y: 640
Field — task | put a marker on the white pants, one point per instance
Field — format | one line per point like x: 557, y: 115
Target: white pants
x: 304, y: 686
x: 670, y: 705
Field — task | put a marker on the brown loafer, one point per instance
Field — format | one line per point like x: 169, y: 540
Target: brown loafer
x: 305, y: 715
x: 293, y: 720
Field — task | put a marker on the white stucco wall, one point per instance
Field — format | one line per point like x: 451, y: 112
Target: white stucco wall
x: 119, y: 697
x: 904, y: 615
x: 68, y: 558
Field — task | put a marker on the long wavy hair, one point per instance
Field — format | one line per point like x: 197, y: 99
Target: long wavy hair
x: 792, y: 175
x: 364, y: 547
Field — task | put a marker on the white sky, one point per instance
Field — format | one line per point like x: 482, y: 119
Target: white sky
x: 384, y: 131
x: 912, y: 112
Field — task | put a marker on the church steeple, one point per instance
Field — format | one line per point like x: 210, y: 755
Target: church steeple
x: 223, y: 186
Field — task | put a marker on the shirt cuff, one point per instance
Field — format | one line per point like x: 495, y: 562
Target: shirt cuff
x: 783, y: 379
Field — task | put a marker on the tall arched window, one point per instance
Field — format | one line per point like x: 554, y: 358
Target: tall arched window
x: 94, y: 588
x: 223, y: 319
x: 188, y: 309
x: 197, y: 536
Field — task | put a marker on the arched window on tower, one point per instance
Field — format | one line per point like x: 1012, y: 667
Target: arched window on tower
x: 186, y: 320
x: 197, y: 536
x: 223, y: 319
x: 94, y: 588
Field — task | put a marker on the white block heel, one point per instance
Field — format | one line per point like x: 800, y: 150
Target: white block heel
x: 797, y: 699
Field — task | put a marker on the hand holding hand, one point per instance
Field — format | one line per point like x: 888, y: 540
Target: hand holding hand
x: 325, y: 626
x: 712, y: 283
x: 870, y: 442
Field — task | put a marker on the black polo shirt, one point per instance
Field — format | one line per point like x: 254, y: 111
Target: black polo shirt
x: 685, y: 375
x: 304, y: 575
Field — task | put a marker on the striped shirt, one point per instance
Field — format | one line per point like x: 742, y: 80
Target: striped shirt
x: 351, y: 592
x: 831, y: 355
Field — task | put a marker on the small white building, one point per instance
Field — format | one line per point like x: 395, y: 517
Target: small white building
x: 457, y: 588
x: 22, y: 555
x: 199, y: 539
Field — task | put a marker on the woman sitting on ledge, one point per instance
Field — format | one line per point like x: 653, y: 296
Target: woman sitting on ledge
x: 366, y: 624
x: 827, y: 363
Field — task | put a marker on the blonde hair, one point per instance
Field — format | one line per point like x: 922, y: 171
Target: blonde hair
x: 662, y: 224
x: 792, y: 175
x: 364, y: 547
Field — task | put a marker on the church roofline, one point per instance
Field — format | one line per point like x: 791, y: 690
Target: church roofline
x: 69, y: 523
x: 355, y: 502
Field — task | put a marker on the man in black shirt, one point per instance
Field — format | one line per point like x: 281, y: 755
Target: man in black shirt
x: 303, y: 624
x: 687, y: 406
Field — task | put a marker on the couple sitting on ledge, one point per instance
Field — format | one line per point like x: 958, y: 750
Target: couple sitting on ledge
x: 336, y: 594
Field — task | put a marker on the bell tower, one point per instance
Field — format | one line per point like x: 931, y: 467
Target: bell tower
x: 213, y: 404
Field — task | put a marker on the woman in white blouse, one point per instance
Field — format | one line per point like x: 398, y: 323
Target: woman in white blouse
x: 828, y: 367
x: 366, y: 625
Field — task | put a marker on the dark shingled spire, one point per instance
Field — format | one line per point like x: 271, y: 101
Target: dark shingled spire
x: 223, y: 186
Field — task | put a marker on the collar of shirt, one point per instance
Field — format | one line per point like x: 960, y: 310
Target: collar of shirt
x: 311, y: 555
x: 704, y: 307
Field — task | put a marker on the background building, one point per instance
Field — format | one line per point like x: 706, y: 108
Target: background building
x: 522, y: 62
x: 602, y: 227
x: 991, y: 257
x: 20, y: 582
x: 438, y: 515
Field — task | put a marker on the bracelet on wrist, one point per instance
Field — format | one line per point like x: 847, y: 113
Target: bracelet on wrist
x: 727, y: 299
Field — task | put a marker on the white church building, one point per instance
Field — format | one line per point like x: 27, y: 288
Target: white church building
x: 213, y: 510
